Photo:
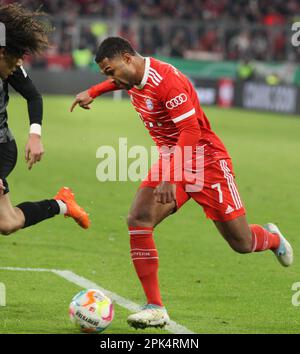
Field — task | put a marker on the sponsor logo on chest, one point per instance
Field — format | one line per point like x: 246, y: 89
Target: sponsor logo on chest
x: 176, y: 101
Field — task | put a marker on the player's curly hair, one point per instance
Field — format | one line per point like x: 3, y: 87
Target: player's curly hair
x: 25, y: 32
x: 112, y: 47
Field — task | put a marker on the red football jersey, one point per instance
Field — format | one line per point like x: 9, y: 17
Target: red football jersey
x: 166, y: 101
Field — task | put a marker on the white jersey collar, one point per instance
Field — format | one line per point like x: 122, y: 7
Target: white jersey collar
x: 145, y: 76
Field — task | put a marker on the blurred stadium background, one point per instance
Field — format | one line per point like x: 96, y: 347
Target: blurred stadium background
x: 239, y: 41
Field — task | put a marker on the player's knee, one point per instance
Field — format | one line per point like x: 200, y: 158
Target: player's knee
x: 6, y: 228
x: 140, y: 218
x: 242, y: 247
x: 240, y: 243
x: 9, y: 226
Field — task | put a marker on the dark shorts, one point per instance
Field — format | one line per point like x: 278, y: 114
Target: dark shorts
x: 8, y: 160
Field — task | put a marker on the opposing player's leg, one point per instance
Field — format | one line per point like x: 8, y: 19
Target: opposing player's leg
x: 66, y: 196
x: 144, y: 215
x: 30, y: 213
x: 11, y: 219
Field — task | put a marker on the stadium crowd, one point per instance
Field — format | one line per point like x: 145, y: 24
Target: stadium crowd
x: 268, y: 12
x: 208, y: 29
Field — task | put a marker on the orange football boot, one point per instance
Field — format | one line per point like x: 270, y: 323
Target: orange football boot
x: 73, y: 209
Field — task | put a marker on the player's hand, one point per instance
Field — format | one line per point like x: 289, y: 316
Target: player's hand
x: 34, y: 150
x: 165, y: 192
x: 2, y: 188
x: 83, y: 99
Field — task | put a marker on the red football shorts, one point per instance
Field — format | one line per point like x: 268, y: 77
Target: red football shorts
x: 215, y: 190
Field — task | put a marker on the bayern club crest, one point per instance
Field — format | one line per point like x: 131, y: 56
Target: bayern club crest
x: 149, y: 104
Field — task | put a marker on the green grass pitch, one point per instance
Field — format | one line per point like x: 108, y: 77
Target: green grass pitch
x: 205, y: 285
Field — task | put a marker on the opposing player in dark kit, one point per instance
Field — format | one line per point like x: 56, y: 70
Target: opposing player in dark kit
x: 25, y: 34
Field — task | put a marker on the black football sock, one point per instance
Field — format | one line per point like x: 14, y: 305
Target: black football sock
x: 36, y: 212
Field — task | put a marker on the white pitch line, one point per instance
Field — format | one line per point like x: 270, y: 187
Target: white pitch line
x: 173, y: 327
x: 28, y: 269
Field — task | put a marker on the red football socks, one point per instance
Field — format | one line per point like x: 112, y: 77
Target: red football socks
x: 145, y: 259
x: 145, y: 256
x: 262, y: 239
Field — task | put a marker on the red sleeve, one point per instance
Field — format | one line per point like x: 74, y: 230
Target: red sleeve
x: 99, y: 89
x: 183, y: 113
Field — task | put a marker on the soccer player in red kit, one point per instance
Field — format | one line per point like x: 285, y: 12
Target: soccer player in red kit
x: 167, y: 103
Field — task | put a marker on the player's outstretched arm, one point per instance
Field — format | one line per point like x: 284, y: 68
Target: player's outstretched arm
x: 85, y: 98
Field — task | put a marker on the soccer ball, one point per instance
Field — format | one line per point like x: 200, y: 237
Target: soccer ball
x: 91, y: 311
